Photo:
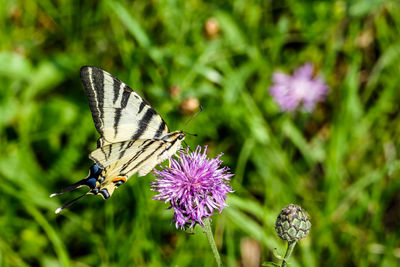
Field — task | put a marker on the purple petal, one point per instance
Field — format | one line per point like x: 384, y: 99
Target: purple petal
x: 194, y: 186
x: 306, y: 71
x: 279, y: 77
x: 298, y: 90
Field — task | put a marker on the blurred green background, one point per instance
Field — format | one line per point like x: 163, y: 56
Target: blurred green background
x: 340, y: 162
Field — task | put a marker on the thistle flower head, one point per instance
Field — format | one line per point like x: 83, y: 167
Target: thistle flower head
x: 300, y: 89
x: 194, y: 185
x: 292, y: 223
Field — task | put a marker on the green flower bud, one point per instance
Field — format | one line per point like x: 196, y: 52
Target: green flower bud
x: 292, y: 223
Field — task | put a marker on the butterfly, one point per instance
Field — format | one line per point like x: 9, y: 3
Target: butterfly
x: 133, y: 136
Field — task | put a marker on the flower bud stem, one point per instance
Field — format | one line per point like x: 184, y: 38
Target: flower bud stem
x: 288, y: 252
x: 207, y: 226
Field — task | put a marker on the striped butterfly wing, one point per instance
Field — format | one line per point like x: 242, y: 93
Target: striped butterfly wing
x: 133, y: 137
x: 122, y: 160
x: 118, y: 112
x: 129, y: 155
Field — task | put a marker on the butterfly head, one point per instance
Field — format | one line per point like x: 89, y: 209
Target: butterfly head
x: 177, y: 136
x: 181, y: 136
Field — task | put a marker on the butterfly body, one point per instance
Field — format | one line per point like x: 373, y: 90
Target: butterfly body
x: 133, y: 137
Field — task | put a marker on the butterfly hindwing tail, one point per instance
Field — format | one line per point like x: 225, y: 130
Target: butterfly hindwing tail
x: 90, y: 181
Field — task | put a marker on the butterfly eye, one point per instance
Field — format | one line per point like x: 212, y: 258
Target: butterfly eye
x: 181, y: 136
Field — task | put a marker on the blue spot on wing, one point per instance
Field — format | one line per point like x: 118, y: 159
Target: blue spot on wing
x: 94, y: 173
x: 91, y: 182
x: 94, y: 170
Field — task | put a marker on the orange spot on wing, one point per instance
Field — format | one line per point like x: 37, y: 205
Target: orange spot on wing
x: 119, y: 179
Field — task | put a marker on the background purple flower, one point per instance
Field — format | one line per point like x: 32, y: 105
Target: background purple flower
x: 300, y: 89
x: 194, y: 185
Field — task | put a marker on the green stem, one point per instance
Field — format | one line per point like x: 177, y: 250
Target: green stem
x: 207, y: 226
x: 288, y: 252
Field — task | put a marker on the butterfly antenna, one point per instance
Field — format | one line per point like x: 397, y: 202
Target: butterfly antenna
x: 69, y: 203
x: 194, y: 116
x: 190, y: 134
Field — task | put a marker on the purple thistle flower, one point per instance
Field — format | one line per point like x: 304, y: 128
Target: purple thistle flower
x: 194, y: 185
x: 300, y: 89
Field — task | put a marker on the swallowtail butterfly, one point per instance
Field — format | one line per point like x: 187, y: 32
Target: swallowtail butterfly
x: 133, y: 136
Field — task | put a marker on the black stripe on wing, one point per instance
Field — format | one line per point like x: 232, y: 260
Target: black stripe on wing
x: 94, y: 85
x: 127, y: 165
x: 145, y: 145
x: 142, y: 105
x: 171, y: 144
x: 124, y: 149
x: 144, y: 122
x: 161, y: 129
x: 94, y: 81
x: 124, y: 101
x: 116, y: 87
x: 125, y: 96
